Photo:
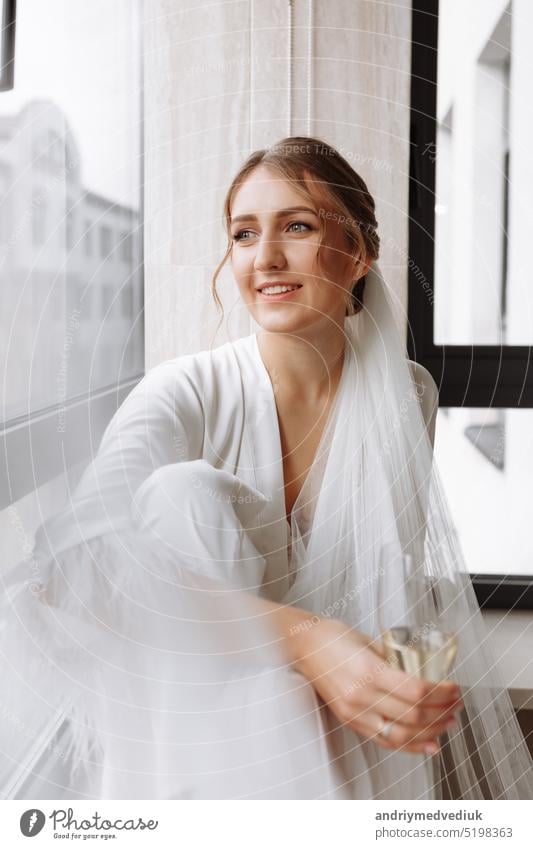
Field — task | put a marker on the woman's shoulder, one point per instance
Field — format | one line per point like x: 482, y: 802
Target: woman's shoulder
x: 201, y: 364
x: 201, y: 376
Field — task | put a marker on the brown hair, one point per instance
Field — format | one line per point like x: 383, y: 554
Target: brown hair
x: 297, y: 158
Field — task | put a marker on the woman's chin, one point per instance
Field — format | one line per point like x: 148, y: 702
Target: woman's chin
x: 284, y: 320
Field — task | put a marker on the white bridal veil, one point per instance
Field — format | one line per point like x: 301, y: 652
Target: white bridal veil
x: 118, y: 662
x: 375, y: 482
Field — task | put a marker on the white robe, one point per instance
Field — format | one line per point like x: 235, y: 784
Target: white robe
x: 270, y: 735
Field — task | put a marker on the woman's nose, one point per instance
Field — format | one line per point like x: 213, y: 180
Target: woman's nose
x: 269, y: 254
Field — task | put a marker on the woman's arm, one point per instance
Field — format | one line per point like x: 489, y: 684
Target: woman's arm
x: 350, y: 673
x: 159, y: 423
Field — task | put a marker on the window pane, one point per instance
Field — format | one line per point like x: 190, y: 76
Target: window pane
x: 484, y: 174
x: 485, y: 460
x: 70, y: 173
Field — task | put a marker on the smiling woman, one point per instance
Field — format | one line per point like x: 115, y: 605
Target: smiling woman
x: 204, y: 611
x: 324, y: 245
x: 299, y: 257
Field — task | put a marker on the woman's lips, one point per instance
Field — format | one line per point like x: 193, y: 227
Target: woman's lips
x: 281, y: 296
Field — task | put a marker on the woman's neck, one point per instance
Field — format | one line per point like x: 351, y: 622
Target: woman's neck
x: 304, y: 367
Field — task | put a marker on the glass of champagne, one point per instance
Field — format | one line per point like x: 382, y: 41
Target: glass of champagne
x: 413, y: 636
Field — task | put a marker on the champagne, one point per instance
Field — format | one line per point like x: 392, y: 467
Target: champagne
x: 427, y: 654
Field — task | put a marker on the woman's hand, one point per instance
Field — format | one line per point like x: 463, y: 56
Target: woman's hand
x: 351, y: 674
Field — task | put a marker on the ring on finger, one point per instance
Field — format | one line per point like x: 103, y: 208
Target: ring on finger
x: 385, y: 728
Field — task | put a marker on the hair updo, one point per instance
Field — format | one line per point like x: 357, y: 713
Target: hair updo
x: 335, y: 183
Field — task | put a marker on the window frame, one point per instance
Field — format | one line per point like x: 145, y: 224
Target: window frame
x: 7, y: 53
x: 466, y: 375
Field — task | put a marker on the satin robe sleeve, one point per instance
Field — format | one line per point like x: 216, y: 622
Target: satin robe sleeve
x: 154, y: 472
x: 160, y: 422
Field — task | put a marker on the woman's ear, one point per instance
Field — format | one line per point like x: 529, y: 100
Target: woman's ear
x: 360, y: 267
x: 363, y: 267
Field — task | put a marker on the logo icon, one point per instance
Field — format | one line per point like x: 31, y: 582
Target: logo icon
x: 32, y: 822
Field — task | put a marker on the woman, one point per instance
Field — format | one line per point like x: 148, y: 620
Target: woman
x: 206, y: 604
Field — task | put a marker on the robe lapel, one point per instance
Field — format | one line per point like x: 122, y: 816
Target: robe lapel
x: 263, y: 438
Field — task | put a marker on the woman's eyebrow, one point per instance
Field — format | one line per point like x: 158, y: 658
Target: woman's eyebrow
x: 279, y: 214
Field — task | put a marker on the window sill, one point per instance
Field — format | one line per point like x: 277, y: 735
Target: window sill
x: 511, y: 640
x: 39, y: 447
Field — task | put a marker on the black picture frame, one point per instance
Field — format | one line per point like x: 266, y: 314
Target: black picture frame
x: 8, y: 16
x: 466, y: 375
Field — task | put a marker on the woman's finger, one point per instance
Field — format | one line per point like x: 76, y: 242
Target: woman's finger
x: 412, y: 689
x: 400, y: 737
x: 414, y: 748
x: 410, y: 714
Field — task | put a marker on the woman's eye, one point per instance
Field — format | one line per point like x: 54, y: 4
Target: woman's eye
x: 241, y: 236
x: 238, y: 237
x: 300, y: 224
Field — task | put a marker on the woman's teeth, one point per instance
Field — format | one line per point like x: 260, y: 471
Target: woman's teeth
x: 277, y: 290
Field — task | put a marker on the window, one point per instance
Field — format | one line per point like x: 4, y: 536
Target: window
x: 72, y: 157
x: 470, y: 304
x: 88, y: 239
x: 70, y: 173
x: 126, y: 247
x: 106, y: 242
x: 126, y: 300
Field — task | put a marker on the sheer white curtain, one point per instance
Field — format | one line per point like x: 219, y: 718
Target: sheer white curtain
x: 216, y: 88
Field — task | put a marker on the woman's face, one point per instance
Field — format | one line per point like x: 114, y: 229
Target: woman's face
x: 275, y: 233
